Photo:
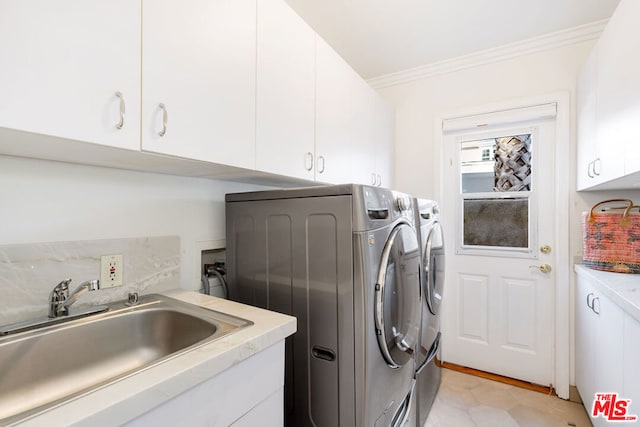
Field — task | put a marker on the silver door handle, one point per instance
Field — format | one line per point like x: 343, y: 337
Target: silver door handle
x: 545, y: 268
x: 589, y: 168
x: 379, y: 181
x: 593, y: 306
x: 308, y: 161
x: 120, y: 124
x: 165, y: 119
x: 374, y: 179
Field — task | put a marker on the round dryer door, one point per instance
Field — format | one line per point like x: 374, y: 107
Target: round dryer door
x: 434, y: 268
x: 397, y: 296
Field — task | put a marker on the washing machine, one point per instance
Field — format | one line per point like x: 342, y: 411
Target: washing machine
x: 345, y: 261
x: 428, y: 371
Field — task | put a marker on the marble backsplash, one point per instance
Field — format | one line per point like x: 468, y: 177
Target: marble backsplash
x: 28, y: 272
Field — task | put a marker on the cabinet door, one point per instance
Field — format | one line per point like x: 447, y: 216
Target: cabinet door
x: 630, y: 366
x: 608, y: 345
x: 586, y: 122
x: 618, y: 90
x: 63, y: 62
x: 364, y: 142
x: 285, y: 99
x: 198, y: 76
x: 384, y: 125
x: 628, y: 69
x: 585, y: 338
x: 336, y: 115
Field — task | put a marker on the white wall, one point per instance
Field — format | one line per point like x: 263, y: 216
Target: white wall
x: 43, y: 201
x: 420, y: 102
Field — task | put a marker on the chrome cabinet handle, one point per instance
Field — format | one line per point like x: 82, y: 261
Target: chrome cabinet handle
x: 599, y: 162
x: 589, y: 168
x: 379, y: 184
x: 590, y: 304
x: 374, y: 179
x: 165, y: 119
x: 120, y: 124
x: 308, y: 161
x: 593, y: 306
x: 320, y: 168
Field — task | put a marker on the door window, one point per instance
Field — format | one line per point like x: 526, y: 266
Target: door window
x: 496, y: 189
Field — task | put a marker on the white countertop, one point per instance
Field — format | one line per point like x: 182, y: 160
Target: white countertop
x: 622, y: 289
x: 130, y: 397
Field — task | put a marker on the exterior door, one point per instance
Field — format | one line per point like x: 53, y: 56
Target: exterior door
x: 397, y: 309
x: 499, y: 196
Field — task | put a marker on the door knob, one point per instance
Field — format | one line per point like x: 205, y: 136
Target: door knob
x: 545, y: 268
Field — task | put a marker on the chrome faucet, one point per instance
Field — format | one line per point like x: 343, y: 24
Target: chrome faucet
x: 60, y: 299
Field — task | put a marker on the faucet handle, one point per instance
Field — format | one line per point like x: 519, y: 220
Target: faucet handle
x: 57, y: 298
x: 63, y: 285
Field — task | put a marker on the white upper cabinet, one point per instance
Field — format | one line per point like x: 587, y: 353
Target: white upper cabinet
x: 617, y: 68
x: 64, y: 61
x: 239, y: 83
x: 626, y: 102
x: 285, y: 92
x: 586, y: 123
x: 384, y: 130
x: 198, y: 79
x: 337, y: 119
x: 364, y: 142
x: 608, y: 105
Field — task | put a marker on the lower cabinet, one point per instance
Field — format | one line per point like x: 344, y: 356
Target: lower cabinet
x: 250, y: 391
x: 607, y: 350
x: 631, y: 363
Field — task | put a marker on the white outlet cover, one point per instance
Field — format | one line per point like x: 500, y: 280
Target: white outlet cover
x: 111, y: 271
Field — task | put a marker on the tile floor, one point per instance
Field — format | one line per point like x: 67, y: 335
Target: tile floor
x: 466, y: 400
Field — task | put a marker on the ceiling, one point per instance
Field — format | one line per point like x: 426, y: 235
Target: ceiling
x: 379, y: 37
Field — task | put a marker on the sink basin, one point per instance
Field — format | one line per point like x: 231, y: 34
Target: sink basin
x: 45, y: 367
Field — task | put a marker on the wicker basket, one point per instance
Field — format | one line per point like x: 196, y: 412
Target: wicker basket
x: 611, y: 237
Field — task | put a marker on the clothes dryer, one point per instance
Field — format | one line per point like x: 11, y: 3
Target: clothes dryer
x: 431, y: 241
x: 345, y: 260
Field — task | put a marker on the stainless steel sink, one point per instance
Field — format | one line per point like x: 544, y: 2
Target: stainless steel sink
x: 44, y: 367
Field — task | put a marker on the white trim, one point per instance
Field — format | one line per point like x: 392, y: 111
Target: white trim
x: 562, y: 353
x: 553, y: 40
x: 483, y: 121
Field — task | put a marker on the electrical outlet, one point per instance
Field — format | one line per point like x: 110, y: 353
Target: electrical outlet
x: 111, y: 271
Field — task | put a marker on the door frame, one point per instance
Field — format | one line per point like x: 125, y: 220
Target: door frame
x: 562, y: 348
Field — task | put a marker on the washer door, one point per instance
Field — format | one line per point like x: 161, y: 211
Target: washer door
x: 434, y: 268
x: 397, y: 297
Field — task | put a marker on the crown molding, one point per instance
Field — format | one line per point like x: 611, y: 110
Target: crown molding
x: 553, y: 40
